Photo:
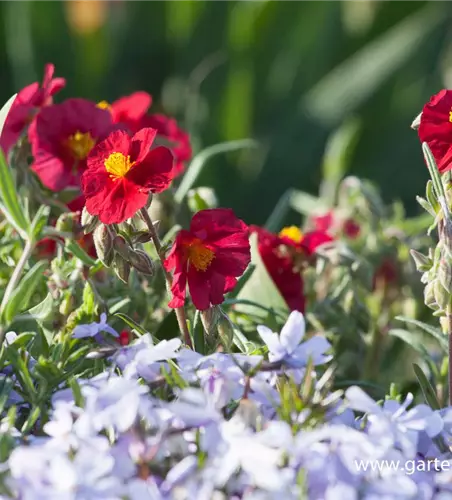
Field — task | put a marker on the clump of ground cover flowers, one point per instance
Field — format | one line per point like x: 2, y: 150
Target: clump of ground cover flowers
x: 198, y: 355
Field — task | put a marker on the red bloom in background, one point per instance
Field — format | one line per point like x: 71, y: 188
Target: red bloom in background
x: 61, y: 137
x: 280, y: 267
x: 172, y: 136
x: 27, y: 103
x: 121, y: 172
x: 436, y: 128
x: 328, y: 222
x: 279, y: 254
x: 124, y: 338
x: 210, y: 256
x: 129, y: 110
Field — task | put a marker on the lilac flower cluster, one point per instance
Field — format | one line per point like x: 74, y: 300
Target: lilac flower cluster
x: 220, y: 432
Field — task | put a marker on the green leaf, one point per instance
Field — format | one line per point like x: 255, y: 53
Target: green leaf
x: 43, y: 310
x: 11, y: 206
x: 5, y: 110
x: 306, y: 204
x: 412, y: 340
x: 39, y: 222
x: 76, y: 391
x: 200, y: 160
x: 6, y: 384
x: 22, y: 339
x: 336, y: 160
x: 426, y: 387
x: 75, y: 249
x: 21, y: 372
x: 339, y: 93
x: 436, y: 333
x: 133, y: 324
x: 21, y: 296
x: 260, y: 288
x: 241, y: 282
x: 31, y: 420
x: 198, y: 334
x: 168, y: 327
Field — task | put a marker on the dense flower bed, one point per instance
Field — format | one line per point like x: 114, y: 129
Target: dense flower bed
x: 154, y: 345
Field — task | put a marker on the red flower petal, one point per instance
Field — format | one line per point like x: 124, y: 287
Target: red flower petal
x: 154, y: 173
x: 142, y: 143
x: 199, y: 288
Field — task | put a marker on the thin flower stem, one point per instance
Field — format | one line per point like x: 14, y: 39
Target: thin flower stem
x: 13, y: 282
x: 180, y: 311
x: 449, y: 321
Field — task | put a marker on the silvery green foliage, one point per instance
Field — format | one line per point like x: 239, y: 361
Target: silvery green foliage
x: 168, y: 423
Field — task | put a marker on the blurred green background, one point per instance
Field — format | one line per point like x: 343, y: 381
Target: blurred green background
x: 285, y: 73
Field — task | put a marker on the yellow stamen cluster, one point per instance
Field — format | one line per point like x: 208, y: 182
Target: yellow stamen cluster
x: 104, y: 105
x: 80, y: 144
x: 292, y: 232
x: 199, y: 255
x: 117, y: 165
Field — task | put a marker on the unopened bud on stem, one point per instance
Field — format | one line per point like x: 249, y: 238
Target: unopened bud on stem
x: 103, y: 242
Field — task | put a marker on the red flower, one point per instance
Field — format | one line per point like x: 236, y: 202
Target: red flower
x: 351, y: 228
x: 209, y: 257
x: 129, y: 110
x: 436, y: 128
x: 280, y: 266
x: 124, y: 338
x: 27, y: 103
x: 61, y: 136
x: 324, y: 222
x: 281, y: 254
x: 121, y: 172
x: 172, y: 136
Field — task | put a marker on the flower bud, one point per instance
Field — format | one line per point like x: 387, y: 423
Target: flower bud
x: 442, y: 296
x: 429, y: 296
x: 141, y: 236
x: 121, y: 268
x: 88, y: 221
x: 422, y: 262
x: 445, y: 274
x: 209, y: 319
x: 120, y: 245
x: 103, y: 242
x: 141, y: 262
x: 66, y: 222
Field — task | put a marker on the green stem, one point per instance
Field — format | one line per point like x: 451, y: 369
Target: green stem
x: 180, y: 311
x: 13, y: 282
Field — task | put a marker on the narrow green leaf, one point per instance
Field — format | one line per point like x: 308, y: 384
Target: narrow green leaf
x: 31, y: 420
x: 6, y: 384
x: 198, y: 334
x: 75, y: 249
x: 10, y: 201
x: 337, y: 94
x: 426, y: 387
x: 42, y: 311
x: 22, y: 295
x: 200, y: 160
x: 411, y: 339
x: 242, y: 281
x: 39, y: 222
x: 5, y: 110
x: 306, y: 204
x: 436, y: 333
x: 76, y: 391
x: 336, y: 160
x: 133, y: 324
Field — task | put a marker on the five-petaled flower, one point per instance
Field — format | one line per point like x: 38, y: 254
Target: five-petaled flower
x: 27, y: 103
x: 122, y: 171
x: 61, y: 137
x: 281, y: 253
x: 436, y: 128
x: 209, y: 257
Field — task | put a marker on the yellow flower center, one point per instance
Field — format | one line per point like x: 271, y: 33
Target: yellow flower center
x: 117, y: 165
x: 199, y: 255
x: 80, y: 144
x: 104, y: 105
x: 291, y: 232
